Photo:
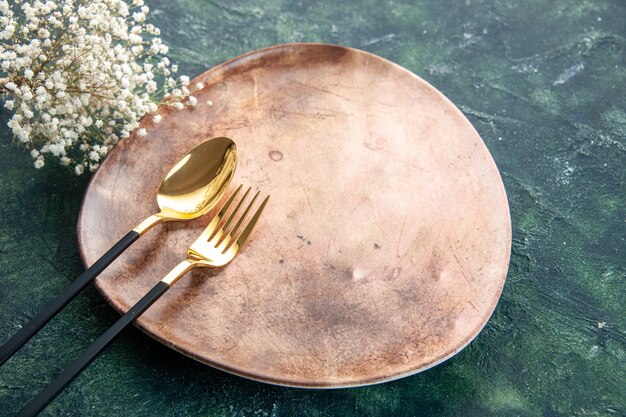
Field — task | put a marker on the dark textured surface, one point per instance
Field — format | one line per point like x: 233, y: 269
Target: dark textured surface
x: 543, y: 82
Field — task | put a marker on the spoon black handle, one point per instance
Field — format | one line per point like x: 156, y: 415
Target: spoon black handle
x: 53, y: 307
x: 75, y: 368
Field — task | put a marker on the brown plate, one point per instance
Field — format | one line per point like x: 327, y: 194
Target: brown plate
x: 384, y: 246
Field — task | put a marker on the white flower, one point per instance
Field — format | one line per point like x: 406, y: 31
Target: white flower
x: 56, y: 149
x: 209, y: 102
x: 135, y: 39
x: 142, y: 132
x: 39, y: 163
x: 139, y: 17
x: 108, y: 71
x: 199, y: 86
x: 27, y: 95
x: 193, y: 101
x: 157, y: 118
x: 94, y: 156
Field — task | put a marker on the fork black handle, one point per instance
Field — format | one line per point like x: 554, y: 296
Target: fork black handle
x: 75, y: 368
x: 53, y: 307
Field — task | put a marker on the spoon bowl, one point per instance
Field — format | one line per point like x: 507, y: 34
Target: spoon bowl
x: 198, y: 180
x: 195, y: 183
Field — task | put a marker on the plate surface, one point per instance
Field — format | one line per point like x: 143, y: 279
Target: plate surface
x: 383, y: 249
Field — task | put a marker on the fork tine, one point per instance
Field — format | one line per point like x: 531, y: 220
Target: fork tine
x: 217, y: 231
x: 228, y: 236
x: 232, y: 215
x: 248, y: 229
x: 243, y: 216
x: 212, y: 227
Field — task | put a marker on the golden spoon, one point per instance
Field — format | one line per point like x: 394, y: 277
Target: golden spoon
x: 192, y: 187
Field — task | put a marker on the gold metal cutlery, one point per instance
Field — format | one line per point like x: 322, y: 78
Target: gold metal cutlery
x: 218, y: 245
x: 191, y: 189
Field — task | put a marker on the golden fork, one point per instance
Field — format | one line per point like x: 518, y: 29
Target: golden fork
x: 215, y: 247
